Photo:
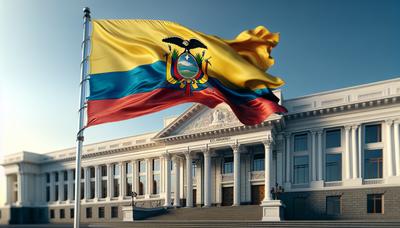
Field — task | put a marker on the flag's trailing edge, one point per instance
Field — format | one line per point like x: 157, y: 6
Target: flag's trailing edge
x: 139, y: 67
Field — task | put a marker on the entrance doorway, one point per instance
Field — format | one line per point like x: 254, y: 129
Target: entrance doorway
x: 227, y: 196
x: 257, y: 194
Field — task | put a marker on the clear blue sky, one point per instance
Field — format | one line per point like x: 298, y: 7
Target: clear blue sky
x: 324, y: 45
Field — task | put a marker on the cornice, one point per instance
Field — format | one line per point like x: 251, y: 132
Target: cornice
x: 343, y: 108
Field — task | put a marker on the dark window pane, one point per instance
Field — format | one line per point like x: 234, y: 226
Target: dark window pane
x: 228, y: 165
x: 92, y: 189
x: 258, y: 162
x: 65, y: 175
x: 101, y: 212
x: 375, y: 203
x: 71, y: 213
x: 56, y: 176
x: 116, y: 188
x: 52, y: 213
x: 47, y: 177
x: 333, y: 205
x: 114, y: 212
x: 62, y: 213
x: 128, y: 168
x: 300, y: 142
x: 65, y: 192
x: 129, y: 186
x: 103, y: 171
x: 333, y: 167
x: 142, y: 185
x: 103, y: 188
x: 156, y: 164
x: 373, y: 165
x: 88, y: 212
x: 48, y: 193
x: 82, y: 190
x: 301, y: 169
x: 333, y: 138
x: 56, y: 193
x: 116, y: 169
x: 73, y: 174
x: 373, y: 133
x: 82, y: 173
x: 92, y: 171
x: 156, y: 184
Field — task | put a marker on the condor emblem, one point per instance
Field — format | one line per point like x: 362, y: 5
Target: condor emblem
x: 185, y: 69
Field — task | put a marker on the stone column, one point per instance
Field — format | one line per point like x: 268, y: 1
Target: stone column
x: 149, y: 177
x: 70, y: 185
x: 207, y: 177
x: 122, y: 180
x: 177, y: 198
x: 397, y: 147
x: 167, y: 159
x: 287, y: 156
x: 347, y: 152
x: 97, y: 182
x: 109, y: 181
x: 354, y: 156
x: 189, y: 179
x: 135, y: 176
x: 267, y: 169
x: 389, y: 148
x: 313, y: 156
x: 236, y: 174
x: 60, y: 186
x: 9, y: 189
x: 271, y: 208
x: 321, y: 155
x: 86, y: 177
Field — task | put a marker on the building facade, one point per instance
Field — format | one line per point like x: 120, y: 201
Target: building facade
x: 334, y: 155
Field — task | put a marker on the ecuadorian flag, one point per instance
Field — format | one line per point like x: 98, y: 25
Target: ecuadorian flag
x: 139, y: 67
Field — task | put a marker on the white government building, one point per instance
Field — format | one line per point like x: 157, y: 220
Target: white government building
x: 336, y: 155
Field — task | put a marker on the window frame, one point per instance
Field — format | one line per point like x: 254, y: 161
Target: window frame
x: 382, y: 199
x: 340, y: 205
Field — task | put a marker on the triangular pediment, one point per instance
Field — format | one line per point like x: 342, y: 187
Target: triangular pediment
x: 200, y: 118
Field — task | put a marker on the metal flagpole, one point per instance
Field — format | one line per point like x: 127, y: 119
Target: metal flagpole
x: 82, y: 105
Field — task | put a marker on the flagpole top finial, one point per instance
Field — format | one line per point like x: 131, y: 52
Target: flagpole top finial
x: 86, y: 11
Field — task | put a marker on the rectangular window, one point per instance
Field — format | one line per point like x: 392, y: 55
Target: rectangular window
x: 333, y: 167
x: 65, y: 196
x: 373, y: 164
x: 116, y: 169
x: 92, y: 172
x: 82, y: 190
x: 56, y: 176
x: 228, y: 165
x: 142, y: 185
x: 48, y: 193
x: 56, y: 193
x: 194, y: 169
x: 373, y: 133
x: 142, y: 166
x: 88, y: 212
x: 73, y: 191
x: 156, y: 164
x: 375, y: 203
x: 103, y: 188
x: 301, y: 174
x: 62, y: 213
x: 156, y: 183
x: 82, y: 173
x: 333, y: 138
x: 73, y: 174
x: 129, y: 186
x: 71, y: 213
x: 300, y: 142
x: 92, y: 189
x: 128, y: 168
x: 47, y: 177
x: 103, y: 171
x: 52, y: 215
x: 333, y: 205
x: 116, y: 188
x: 101, y: 212
x: 114, y: 212
x: 258, y: 162
x: 65, y: 175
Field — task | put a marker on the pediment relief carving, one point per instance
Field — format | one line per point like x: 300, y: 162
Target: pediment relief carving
x: 209, y: 119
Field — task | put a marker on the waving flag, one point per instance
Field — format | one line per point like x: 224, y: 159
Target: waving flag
x: 139, y: 67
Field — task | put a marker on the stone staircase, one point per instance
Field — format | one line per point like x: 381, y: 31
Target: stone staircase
x: 250, y: 212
